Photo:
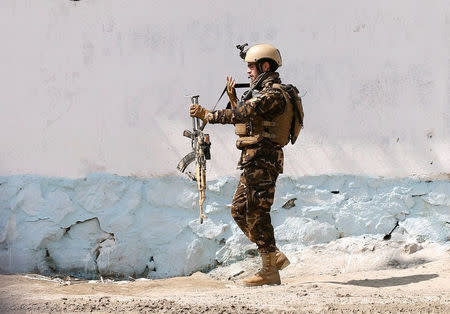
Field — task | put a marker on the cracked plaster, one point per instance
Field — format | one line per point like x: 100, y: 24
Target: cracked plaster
x: 125, y: 226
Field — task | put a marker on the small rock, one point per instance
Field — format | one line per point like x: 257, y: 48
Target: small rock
x: 392, y: 263
x: 421, y: 238
x: 368, y: 248
x: 290, y: 203
x: 412, y: 248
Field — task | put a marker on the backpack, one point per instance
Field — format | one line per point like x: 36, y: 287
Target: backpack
x: 291, y: 94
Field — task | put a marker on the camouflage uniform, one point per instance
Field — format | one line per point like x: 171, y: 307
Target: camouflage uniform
x: 261, y: 162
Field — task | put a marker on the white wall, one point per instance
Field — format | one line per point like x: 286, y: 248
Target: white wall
x: 98, y: 86
x: 111, y: 225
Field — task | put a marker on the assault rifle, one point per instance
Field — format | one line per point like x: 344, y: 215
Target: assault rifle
x: 200, y: 153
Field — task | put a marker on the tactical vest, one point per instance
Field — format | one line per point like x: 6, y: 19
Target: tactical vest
x: 282, y: 129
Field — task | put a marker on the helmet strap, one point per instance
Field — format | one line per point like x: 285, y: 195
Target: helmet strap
x: 259, y: 67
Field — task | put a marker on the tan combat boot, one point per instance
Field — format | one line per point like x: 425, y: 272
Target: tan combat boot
x: 281, y: 260
x: 268, y: 275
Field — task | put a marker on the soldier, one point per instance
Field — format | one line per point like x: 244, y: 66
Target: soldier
x: 262, y: 121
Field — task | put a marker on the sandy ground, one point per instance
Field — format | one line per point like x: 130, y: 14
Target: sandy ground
x: 367, y: 277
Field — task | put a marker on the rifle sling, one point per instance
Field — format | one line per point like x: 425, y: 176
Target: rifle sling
x: 237, y: 85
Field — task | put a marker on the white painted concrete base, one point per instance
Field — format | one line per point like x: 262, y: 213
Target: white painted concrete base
x: 119, y: 226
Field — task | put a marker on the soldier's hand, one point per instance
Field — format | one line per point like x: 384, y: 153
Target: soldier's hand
x: 231, y: 91
x: 198, y: 111
x: 230, y: 86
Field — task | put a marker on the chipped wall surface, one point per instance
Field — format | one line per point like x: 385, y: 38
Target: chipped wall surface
x: 98, y: 86
x: 125, y: 226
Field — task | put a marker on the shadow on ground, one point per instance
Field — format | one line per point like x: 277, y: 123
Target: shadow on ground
x: 387, y: 282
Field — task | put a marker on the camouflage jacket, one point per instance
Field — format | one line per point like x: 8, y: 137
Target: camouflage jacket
x: 266, y: 102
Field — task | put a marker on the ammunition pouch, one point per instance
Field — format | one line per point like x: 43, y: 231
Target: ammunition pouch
x: 240, y: 129
x: 244, y: 141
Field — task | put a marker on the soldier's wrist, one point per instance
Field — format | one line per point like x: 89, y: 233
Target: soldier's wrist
x: 208, y: 115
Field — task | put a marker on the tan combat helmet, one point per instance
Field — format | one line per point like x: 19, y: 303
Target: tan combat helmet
x: 263, y: 51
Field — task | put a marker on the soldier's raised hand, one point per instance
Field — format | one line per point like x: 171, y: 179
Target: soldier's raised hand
x: 231, y: 92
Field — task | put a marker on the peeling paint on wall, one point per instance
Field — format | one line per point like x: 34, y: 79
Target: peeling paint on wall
x: 112, y: 226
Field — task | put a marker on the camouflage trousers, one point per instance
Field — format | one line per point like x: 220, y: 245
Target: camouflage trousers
x: 251, y: 206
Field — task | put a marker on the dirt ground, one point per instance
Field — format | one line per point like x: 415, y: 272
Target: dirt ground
x: 309, y: 285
